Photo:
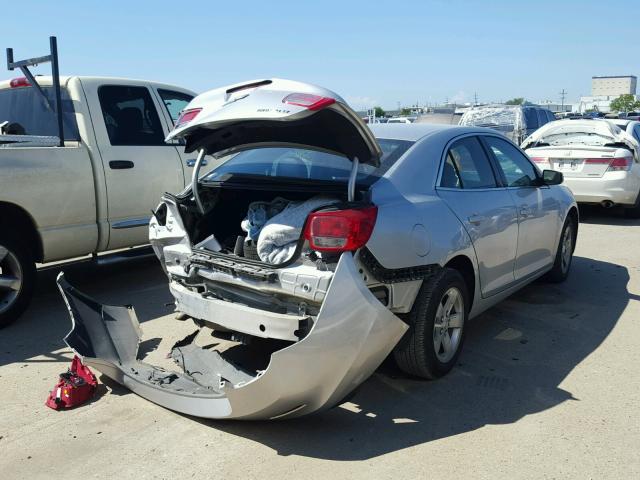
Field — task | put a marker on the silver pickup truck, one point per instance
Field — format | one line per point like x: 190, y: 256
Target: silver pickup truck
x: 96, y: 192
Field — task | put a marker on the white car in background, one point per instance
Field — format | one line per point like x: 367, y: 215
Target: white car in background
x: 598, y: 158
x: 402, y: 120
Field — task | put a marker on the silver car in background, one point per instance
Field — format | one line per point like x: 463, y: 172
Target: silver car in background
x: 515, y: 122
x: 599, y: 159
x: 387, y: 239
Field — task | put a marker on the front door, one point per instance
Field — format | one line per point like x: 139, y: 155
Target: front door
x: 469, y: 187
x: 139, y: 167
x: 539, y: 213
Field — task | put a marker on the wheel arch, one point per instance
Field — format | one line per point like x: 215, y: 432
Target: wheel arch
x: 464, y: 266
x: 17, y: 218
x: 573, y: 213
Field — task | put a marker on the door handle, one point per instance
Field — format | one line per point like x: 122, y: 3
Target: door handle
x: 525, y: 212
x: 120, y: 164
x: 476, y: 219
x: 192, y: 162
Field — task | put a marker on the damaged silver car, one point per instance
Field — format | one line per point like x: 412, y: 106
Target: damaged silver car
x: 319, y: 246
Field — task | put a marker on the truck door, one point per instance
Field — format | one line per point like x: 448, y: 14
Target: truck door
x: 174, y: 102
x: 139, y: 167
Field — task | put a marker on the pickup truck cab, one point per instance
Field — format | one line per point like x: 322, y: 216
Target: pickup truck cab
x: 94, y: 194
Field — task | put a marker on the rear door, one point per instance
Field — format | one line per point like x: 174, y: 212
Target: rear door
x: 139, y: 167
x: 469, y: 186
x: 539, y: 212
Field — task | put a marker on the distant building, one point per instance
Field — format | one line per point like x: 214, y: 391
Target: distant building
x: 613, y: 86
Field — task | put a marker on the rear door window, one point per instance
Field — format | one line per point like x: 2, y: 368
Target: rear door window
x: 466, y: 166
x: 25, y: 107
x: 130, y: 116
x: 175, y: 102
x: 542, y: 117
x: 550, y: 116
x: 531, y: 117
x: 518, y: 171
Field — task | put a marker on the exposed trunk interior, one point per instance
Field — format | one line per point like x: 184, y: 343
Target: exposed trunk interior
x: 226, y: 204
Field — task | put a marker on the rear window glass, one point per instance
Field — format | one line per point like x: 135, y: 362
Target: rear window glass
x: 27, y: 108
x: 308, y: 164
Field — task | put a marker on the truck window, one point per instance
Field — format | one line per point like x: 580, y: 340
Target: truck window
x: 26, y: 107
x: 130, y: 116
x: 175, y: 102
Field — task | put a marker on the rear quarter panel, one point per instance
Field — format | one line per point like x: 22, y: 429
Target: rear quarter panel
x: 414, y: 226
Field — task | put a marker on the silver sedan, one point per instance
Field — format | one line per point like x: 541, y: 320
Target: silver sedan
x: 319, y: 246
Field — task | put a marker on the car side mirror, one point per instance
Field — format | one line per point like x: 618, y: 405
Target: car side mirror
x: 551, y: 177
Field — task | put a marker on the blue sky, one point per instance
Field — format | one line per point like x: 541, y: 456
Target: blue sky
x: 372, y: 53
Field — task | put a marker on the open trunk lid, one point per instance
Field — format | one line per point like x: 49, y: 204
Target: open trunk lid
x: 582, y: 148
x: 275, y: 112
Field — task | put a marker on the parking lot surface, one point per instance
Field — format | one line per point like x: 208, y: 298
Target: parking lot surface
x: 547, y: 387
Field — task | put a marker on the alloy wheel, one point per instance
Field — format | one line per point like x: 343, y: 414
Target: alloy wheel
x: 449, y: 321
x: 567, y: 249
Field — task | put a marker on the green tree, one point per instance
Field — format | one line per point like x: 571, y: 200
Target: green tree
x: 625, y: 103
x: 515, y: 101
x: 405, y: 111
x: 379, y: 111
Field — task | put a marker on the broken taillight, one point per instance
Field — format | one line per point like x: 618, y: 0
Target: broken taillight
x: 340, y: 230
x: 187, y: 115
x: 309, y: 101
x: 19, y: 82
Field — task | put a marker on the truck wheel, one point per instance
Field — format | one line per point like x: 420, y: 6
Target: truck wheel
x: 17, y: 278
x: 564, y: 254
x: 431, y: 346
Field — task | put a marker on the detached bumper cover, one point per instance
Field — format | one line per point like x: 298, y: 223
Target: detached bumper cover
x: 352, y: 335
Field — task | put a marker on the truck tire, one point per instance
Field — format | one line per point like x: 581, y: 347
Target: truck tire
x: 431, y: 346
x: 564, y: 254
x: 17, y: 278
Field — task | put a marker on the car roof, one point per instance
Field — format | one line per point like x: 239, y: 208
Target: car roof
x: 415, y: 131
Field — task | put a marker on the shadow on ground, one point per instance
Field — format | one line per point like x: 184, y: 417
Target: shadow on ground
x: 40, y: 331
x: 614, y: 216
x: 515, y: 357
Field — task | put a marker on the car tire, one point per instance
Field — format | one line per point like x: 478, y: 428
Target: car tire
x: 422, y: 352
x: 564, y: 253
x: 17, y: 278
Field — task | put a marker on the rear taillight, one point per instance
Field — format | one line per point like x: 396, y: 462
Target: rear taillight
x: 540, y: 159
x: 620, y: 164
x: 19, y: 82
x: 309, y: 101
x: 340, y: 230
x: 187, y: 115
x: 613, y: 164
